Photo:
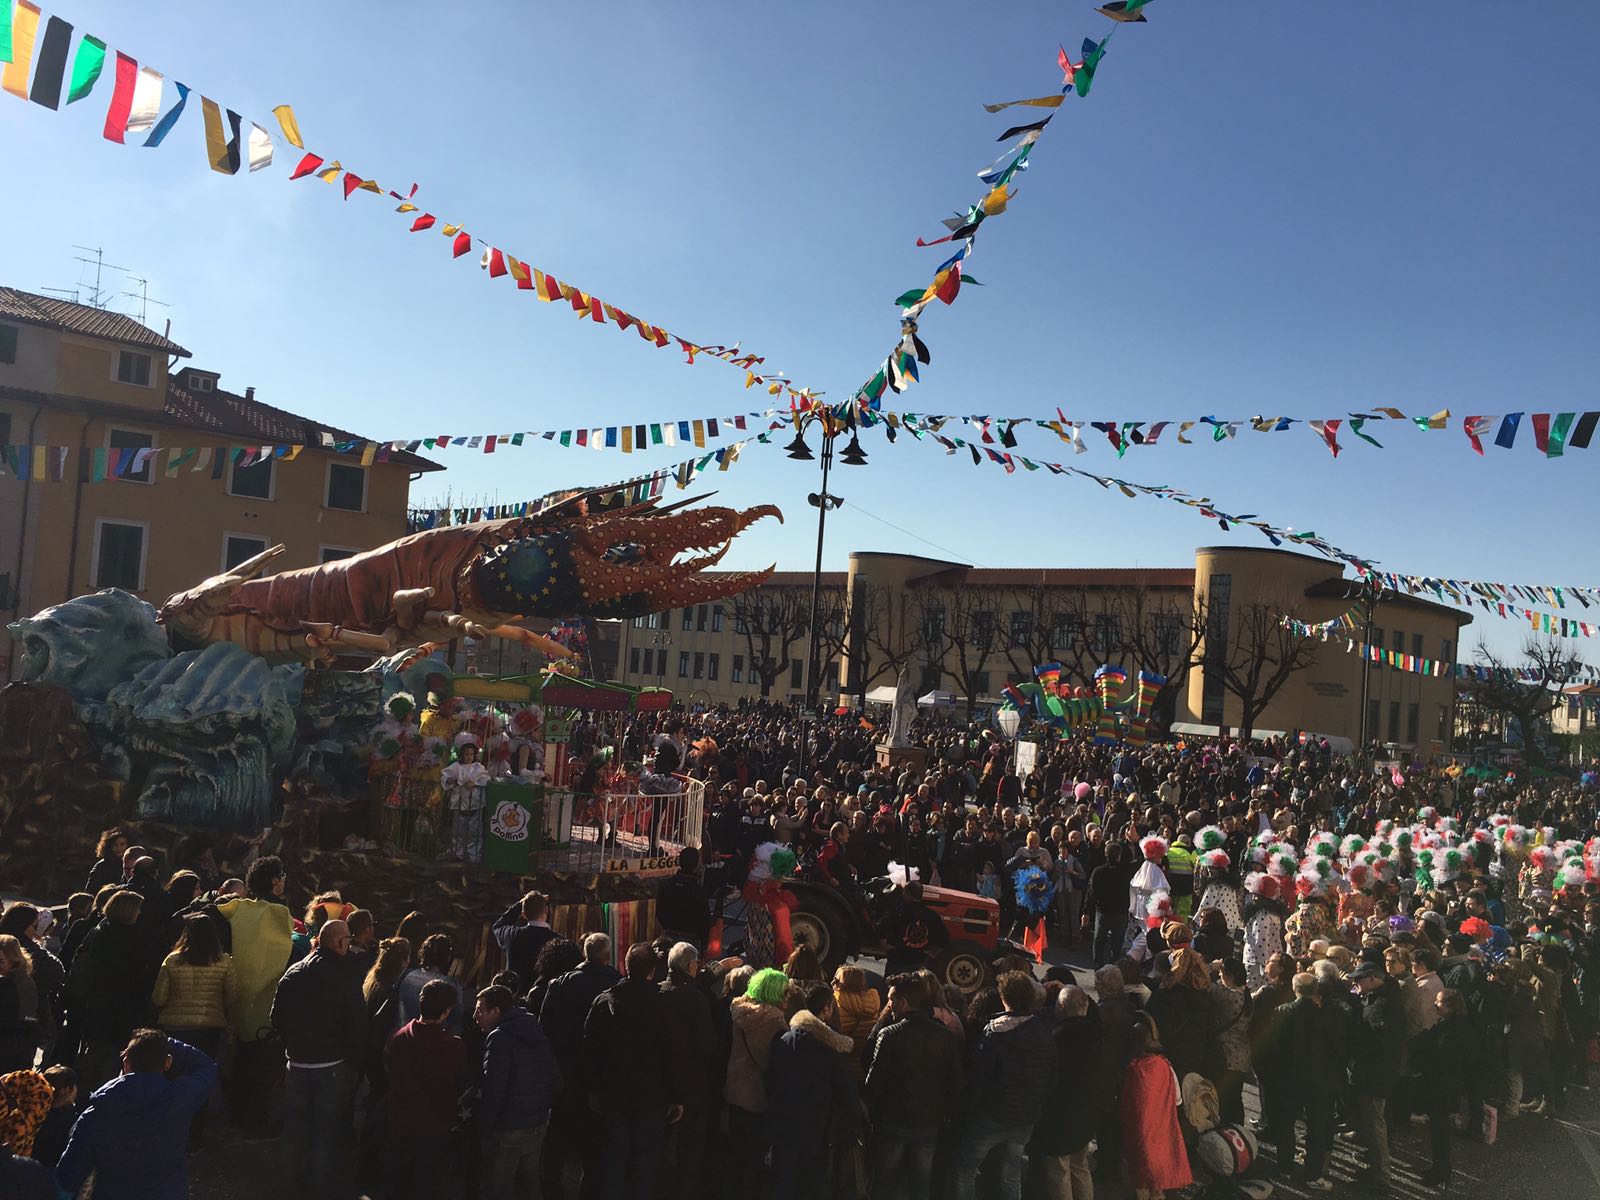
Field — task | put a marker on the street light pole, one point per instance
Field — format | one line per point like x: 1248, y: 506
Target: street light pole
x: 823, y: 502
x: 1370, y: 603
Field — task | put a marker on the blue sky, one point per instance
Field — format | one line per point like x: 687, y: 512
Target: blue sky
x: 1269, y: 208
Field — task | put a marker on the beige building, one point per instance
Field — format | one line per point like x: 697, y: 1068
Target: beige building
x: 1575, y: 715
x: 736, y: 649
x: 81, y: 378
x: 1213, y: 630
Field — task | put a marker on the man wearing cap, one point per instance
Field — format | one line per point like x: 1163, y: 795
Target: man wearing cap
x: 1377, y: 1045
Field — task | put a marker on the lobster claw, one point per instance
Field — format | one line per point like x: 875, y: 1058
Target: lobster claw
x: 190, y: 613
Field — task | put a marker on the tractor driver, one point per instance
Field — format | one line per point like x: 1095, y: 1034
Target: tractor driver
x: 832, y: 863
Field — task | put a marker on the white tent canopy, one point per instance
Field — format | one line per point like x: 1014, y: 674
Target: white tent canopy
x: 938, y: 700
x: 881, y: 695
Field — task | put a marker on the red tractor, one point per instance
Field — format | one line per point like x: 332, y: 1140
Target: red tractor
x: 957, y: 933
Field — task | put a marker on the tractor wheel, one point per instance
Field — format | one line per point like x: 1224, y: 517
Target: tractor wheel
x: 963, y: 966
x: 821, y: 926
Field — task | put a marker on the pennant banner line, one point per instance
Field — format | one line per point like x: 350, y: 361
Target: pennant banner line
x: 1490, y: 596
x: 640, y: 435
x: 637, y: 490
x: 1417, y: 664
x: 1563, y: 431
x: 230, y: 142
x: 46, y: 463
x: 902, y: 366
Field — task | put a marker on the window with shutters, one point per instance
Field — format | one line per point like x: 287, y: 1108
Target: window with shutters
x: 119, y: 554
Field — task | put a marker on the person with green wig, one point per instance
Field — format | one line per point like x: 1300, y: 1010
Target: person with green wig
x: 759, y: 1019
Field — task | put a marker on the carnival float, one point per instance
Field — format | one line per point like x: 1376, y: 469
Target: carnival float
x: 311, y: 714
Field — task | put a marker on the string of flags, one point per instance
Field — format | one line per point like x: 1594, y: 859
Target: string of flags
x: 135, y: 110
x: 54, y: 463
x: 1353, y: 618
x: 628, y: 438
x: 1498, y: 598
x: 901, y: 366
x: 1552, y: 433
x: 1417, y: 664
x: 1455, y: 589
x: 637, y: 490
x: 1348, y: 620
x: 50, y: 462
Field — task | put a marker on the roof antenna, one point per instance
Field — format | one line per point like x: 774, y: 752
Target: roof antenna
x: 97, y: 298
x: 143, y: 297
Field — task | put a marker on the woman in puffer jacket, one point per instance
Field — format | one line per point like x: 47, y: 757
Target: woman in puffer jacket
x: 759, y: 1018
x: 195, y: 986
x: 858, y: 1010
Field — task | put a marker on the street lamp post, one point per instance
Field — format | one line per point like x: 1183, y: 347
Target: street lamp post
x: 1370, y: 603
x: 823, y: 501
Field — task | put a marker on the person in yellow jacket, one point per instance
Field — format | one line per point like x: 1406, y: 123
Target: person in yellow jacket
x: 1181, y: 862
x: 441, y: 718
x: 857, y: 1010
x: 196, y: 986
x: 262, y: 938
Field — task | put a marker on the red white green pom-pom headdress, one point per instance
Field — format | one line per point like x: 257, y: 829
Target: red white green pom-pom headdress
x: 1210, y: 837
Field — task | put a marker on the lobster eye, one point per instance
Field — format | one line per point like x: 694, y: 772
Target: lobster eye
x: 531, y: 575
x: 625, y: 554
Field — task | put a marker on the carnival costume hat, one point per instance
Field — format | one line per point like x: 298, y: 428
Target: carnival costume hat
x: 1210, y: 837
x: 1157, y: 909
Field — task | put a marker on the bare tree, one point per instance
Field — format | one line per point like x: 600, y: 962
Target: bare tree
x: 1254, y: 654
x: 1042, y: 625
x: 772, y: 620
x: 1506, y: 696
x: 833, y: 628
x: 973, y: 637
x: 1161, y: 634
x: 887, y: 634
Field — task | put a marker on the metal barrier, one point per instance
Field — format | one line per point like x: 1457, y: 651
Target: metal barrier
x: 408, y: 816
x: 630, y: 832
x: 613, y: 832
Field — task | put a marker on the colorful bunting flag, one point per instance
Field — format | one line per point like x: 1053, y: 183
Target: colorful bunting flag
x: 146, y: 102
x: 222, y: 149
x: 51, y: 70
x: 21, y: 30
x: 164, y: 126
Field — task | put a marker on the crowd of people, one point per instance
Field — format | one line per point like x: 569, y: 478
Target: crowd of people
x: 1368, y: 949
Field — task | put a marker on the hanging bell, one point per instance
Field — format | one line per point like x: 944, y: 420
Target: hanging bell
x: 798, y: 448
x: 853, y: 454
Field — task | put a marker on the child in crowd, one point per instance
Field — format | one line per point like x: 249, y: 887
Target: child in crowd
x: 989, y: 882
x: 58, y: 1122
x: 463, y: 782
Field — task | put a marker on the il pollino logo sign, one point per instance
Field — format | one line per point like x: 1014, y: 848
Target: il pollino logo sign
x: 509, y: 822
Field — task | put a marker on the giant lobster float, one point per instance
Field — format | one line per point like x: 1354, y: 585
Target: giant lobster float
x: 201, y: 708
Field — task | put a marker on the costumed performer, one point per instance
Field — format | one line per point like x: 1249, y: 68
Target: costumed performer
x: 1263, y: 927
x: 1152, y: 1140
x: 1216, y: 879
x: 767, y: 937
x: 441, y: 717
x: 1035, y: 894
x: 1146, y: 882
x: 463, y: 783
